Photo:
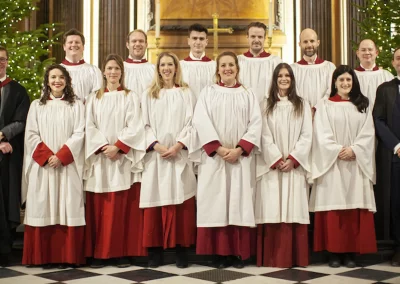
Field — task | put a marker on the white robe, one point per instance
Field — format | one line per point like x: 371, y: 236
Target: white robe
x: 168, y: 120
x: 138, y: 76
x: 256, y: 73
x: 313, y: 81
x: 116, y: 116
x: 86, y: 79
x: 370, y: 81
x: 225, y: 192
x: 198, y: 74
x: 54, y: 196
x: 339, y: 184
x: 283, y: 197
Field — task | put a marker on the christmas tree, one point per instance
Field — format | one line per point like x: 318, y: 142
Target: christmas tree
x: 382, y: 25
x: 28, y: 50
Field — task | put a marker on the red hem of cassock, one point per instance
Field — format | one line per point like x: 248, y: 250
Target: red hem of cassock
x: 341, y: 231
x: 282, y: 245
x: 114, y: 224
x: 230, y: 240
x: 171, y: 225
x: 53, y: 244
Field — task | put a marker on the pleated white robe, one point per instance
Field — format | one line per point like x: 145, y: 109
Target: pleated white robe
x: 313, y: 81
x: 339, y: 184
x: 283, y: 197
x: 54, y: 196
x: 198, y: 74
x: 225, y: 191
x: 256, y: 73
x: 370, y: 81
x: 116, y: 116
x: 168, y: 120
x: 138, y: 77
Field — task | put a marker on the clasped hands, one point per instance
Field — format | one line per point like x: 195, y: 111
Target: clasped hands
x: 229, y: 155
x: 168, y: 153
x: 346, y: 154
x: 285, y: 166
x: 6, y: 148
x: 111, y: 152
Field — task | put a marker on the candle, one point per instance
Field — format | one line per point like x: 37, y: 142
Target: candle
x: 270, y: 18
x: 157, y: 18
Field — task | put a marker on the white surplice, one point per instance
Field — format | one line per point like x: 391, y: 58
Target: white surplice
x: 340, y: 184
x: 115, y: 116
x: 225, y: 192
x: 138, y: 76
x: 283, y: 197
x: 198, y: 74
x: 370, y: 81
x: 54, y: 196
x: 256, y: 73
x: 86, y: 79
x: 313, y: 81
x: 168, y: 120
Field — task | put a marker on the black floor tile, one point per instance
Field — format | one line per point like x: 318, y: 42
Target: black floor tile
x: 294, y: 275
x: 142, y: 275
x: 218, y: 275
x: 5, y: 273
x: 67, y: 275
x: 370, y: 274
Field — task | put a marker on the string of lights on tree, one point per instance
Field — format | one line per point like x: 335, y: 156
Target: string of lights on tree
x: 28, y: 50
x: 381, y: 23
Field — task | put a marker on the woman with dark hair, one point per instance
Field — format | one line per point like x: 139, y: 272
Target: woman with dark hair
x: 227, y: 119
x: 282, y: 189
x: 343, y: 170
x: 169, y: 182
x: 52, y: 178
x: 114, y: 152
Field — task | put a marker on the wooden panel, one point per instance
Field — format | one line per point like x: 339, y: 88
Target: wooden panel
x: 353, y: 30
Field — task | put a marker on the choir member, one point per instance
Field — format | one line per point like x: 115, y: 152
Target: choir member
x: 138, y: 71
x: 86, y: 78
x: 228, y: 123
x: 368, y: 73
x: 14, y: 106
x: 256, y: 64
x: 52, y: 178
x: 282, y: 188
x: 114, y: 150
x: 313, y: 74
x: 197, y: 69
x: 169, y: 183
x: 386, y: 115
x: 343, y: 170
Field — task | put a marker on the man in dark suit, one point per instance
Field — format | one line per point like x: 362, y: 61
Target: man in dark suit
x: 386, y: 115
x: 14, y: 106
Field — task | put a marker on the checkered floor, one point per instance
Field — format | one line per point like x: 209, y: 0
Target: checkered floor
x: 197, y: 274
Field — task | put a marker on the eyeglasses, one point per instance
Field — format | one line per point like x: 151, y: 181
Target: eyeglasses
x: 3, y: 59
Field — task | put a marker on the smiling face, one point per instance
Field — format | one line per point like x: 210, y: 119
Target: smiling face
x: 137, y: 45
x: 344, y: 83
x: 367, y: 53
x: 112, y: 72
x: 309, y: 42
x: 167, y: 68
x: 284, y: 81
x: 256, y: 38
x: 227, y: 69
x: 57, y: 81
x: 73, y: 47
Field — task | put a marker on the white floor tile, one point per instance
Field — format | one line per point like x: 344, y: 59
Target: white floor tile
x: 386, y: 266
x: 255, y: 270
x: 259, y: 280
x: 324, y: 268
x: 177, y: 280
x: 336, y: 279
x: 194, y: 268
x: 33, y: 270
x: 110, y: 269
x: 25, y: 279
x: 393, y: 280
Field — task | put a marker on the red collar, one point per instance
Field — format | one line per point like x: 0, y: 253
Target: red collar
x: 337, y: 98
x: 5, y: 82
x: 317, y: 61
x: 118, y: 89
x: 223, y: 85
x: 130, y: 60
x: 359, y: 68
x: 262, y: 54
x: 50, y: 99
x: 203, y: 59
x: 66, y: 62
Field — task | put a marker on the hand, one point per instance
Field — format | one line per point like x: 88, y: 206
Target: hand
x: 222, y: 151
x: 347, y: 154
x: 279, y: 165
x: 398, y: 152
x: 116, y: 157
x: 233, y: 155
x: 160, y: 149
x: 54, y: 162
x: 110, y: 151
x: 6, y: 147
x: 287, y: 166
x: 1, y: 136
x: 172, y: 151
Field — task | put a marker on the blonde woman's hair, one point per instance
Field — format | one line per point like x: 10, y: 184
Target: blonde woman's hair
x: 120, y: 63
x: 157, y: 84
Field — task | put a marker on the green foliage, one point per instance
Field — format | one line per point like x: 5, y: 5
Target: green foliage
x: 382, y: 25
x: 28, y: 50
